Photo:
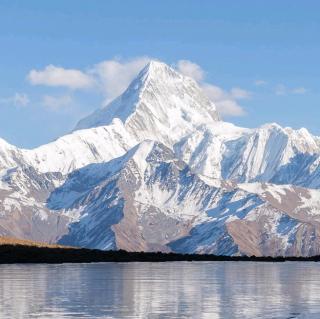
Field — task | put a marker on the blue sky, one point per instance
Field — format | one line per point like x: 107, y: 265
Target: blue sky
x: 263, y: 56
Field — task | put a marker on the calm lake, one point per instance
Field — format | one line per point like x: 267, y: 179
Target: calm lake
x: 161, y: 290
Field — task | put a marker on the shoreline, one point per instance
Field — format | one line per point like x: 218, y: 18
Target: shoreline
x: 17, y: 254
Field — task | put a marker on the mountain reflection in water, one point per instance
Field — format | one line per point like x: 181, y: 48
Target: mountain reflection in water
x: 161, y: 290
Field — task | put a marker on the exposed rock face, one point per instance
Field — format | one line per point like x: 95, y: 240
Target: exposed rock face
x: 157, y: 169
x: 23, y: 209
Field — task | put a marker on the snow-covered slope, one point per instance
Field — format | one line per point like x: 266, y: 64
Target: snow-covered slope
x: 81, y: 148
x: 9, y: 155
x: 150, y: 200
x: 156, y: 169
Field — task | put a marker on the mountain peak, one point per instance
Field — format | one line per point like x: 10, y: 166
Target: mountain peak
x: 155, y: 65
x: 159, y: 104
x: 159, y: 69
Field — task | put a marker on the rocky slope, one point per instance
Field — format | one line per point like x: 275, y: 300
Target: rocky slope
x: 158, y: 170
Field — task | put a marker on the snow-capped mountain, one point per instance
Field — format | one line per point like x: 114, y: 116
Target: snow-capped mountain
x: 157, y: 169
x: 160, y: 104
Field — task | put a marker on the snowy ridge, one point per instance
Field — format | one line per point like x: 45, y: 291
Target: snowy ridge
x: 225, y: 151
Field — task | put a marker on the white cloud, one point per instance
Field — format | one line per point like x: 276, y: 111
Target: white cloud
x: 18, y: 99
x: 56, y: 102
x: 56, y: 76
x: 229, y: 108
x: 111, y: 77
x: 215, y: 93
x: 226, y: 102
x: 190, y: 69
x: 114, y: 76
x: 260, y: 82
x: 299, y: 90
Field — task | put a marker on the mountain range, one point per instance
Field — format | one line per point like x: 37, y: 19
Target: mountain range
x: 157, y: 169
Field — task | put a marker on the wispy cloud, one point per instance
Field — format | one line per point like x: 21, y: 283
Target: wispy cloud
x: 281, y: 89
x: 260, y: 82
x: 299, y: 90
x: 240, y: 94
x: 18, y: 99
x: 56, y: 102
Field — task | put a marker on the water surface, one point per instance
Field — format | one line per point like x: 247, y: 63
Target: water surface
x: 161, y: 290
